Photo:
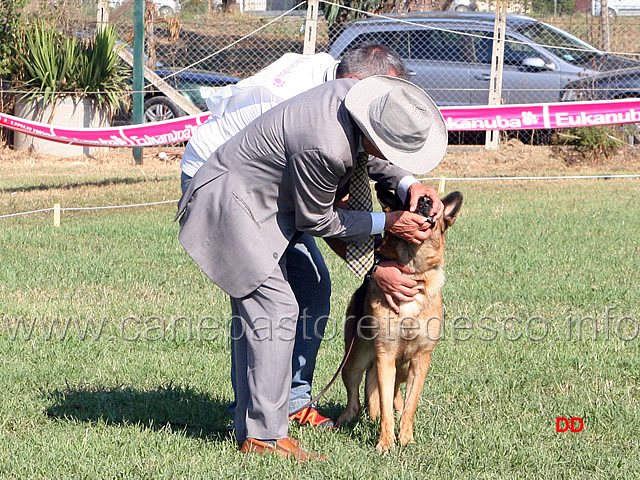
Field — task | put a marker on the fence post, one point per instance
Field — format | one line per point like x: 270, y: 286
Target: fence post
x: 442, y: 185
x: 497, y: 64
x: 604, y: 20
x: 311, y: 27
x: 56, y: 215
x: 102, y: 19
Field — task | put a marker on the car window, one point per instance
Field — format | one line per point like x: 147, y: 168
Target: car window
x: 514, y: 51
x: 439, y: 45
x: 397, y: 41
x: 562, y: 44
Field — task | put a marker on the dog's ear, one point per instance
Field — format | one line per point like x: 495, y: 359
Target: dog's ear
x: 452, y: 205
x: 388, y: 199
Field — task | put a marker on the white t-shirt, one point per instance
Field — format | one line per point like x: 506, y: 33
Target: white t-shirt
x: 235, y: 106
x: 240, y: 111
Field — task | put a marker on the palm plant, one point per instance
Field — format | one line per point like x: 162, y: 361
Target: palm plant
x: 54, y: 65
x: 100, y: 73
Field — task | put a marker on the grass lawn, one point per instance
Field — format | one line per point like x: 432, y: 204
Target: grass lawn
x: 115, y: 358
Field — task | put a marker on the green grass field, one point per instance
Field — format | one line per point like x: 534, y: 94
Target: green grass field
x: 115, y: 360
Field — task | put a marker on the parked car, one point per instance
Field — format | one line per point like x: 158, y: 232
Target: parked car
x: 165, y: 7
x: 604, y: 86
x: 617, y: 8
x: 464, y: 6
x: 449, y: 55
x: 157, y: 106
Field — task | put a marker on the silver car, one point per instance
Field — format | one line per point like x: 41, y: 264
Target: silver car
x: 449, y: 55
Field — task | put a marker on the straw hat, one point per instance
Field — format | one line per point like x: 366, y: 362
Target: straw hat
x: 401, y: 120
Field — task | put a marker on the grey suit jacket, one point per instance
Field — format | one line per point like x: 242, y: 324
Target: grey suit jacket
x: 280, y: 175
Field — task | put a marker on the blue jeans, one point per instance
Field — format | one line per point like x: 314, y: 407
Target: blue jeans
x: 185, y: 180
x: 309, y: 279
x: 308, y: 276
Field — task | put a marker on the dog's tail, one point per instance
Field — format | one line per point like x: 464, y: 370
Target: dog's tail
x: 359, y: 299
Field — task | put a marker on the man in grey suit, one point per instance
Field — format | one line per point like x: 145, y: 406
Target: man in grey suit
x: 281, y: 176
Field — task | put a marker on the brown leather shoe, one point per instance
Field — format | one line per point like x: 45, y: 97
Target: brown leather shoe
x: 286, y: 447
x: 293, y: 440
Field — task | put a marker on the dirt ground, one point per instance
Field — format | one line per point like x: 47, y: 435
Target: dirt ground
x: 513, y: 158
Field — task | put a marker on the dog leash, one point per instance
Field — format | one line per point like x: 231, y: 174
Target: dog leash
x: 360, y: 297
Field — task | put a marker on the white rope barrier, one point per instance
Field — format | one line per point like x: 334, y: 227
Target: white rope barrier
x: 77, y: 209
x: 423, y: 179
x: 443, y: 180
x: 26, y: 213
x: 558, y: 177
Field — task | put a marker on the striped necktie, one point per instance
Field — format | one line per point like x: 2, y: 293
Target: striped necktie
x: 360, y: 257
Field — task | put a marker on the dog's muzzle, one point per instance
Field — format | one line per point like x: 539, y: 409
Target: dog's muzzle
x: 424, y: 208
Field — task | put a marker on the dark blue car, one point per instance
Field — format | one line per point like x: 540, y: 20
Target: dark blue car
x: 157, y: 106
x: 624, y: 83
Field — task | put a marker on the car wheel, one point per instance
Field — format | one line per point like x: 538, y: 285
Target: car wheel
x: 166, y: 11
x: 612, y: 13
x: 157, y: 109
x: 462, y: 8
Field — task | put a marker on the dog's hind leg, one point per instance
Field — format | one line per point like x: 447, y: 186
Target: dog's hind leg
x: 357, y: 363
x: 418, y: 369
x: 398, y: 401
x: 386, y: 365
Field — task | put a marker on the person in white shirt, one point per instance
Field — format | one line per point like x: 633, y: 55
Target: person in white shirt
x: 233, y: 108
x: 236, y: 106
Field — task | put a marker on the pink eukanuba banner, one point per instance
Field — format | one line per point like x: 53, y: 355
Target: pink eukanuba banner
x: 476, y: 118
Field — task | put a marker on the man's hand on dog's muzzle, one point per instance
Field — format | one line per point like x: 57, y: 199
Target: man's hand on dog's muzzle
x: 408, y: 226
x: 418, y: 190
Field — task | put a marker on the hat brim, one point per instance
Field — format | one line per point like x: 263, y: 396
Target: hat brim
x: 429, y: 156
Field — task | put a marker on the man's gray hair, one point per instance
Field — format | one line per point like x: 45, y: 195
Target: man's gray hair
x: 371, y: 59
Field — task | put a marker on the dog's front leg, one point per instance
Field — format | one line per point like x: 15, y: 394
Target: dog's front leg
x: 418, y: 369
x: 386, y: 367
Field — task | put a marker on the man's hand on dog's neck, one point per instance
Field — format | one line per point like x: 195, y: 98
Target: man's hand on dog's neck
x: 395, y: 286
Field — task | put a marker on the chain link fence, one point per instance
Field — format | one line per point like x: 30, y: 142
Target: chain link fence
x: 449, y: 57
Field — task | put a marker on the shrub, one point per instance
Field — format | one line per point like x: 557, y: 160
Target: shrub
x: 9, y: 20
x: 592, y: 143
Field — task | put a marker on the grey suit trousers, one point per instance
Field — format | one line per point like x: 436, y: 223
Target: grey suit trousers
x: 263, y: 329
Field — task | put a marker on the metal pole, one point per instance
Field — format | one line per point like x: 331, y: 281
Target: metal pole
x: 311, y: 27
x: 497, y: 64
x: 138, y: 73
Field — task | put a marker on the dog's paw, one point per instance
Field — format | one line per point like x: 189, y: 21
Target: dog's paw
x: 385, y: 445
x: 347, y: 416
x: 405, y: 438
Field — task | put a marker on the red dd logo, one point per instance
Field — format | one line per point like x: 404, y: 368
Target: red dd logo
x: 574, y: 424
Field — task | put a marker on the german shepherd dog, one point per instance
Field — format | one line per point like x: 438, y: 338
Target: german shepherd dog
x: 391, y: 348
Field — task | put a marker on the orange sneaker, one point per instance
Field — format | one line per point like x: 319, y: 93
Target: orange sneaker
x: 311, y: 416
